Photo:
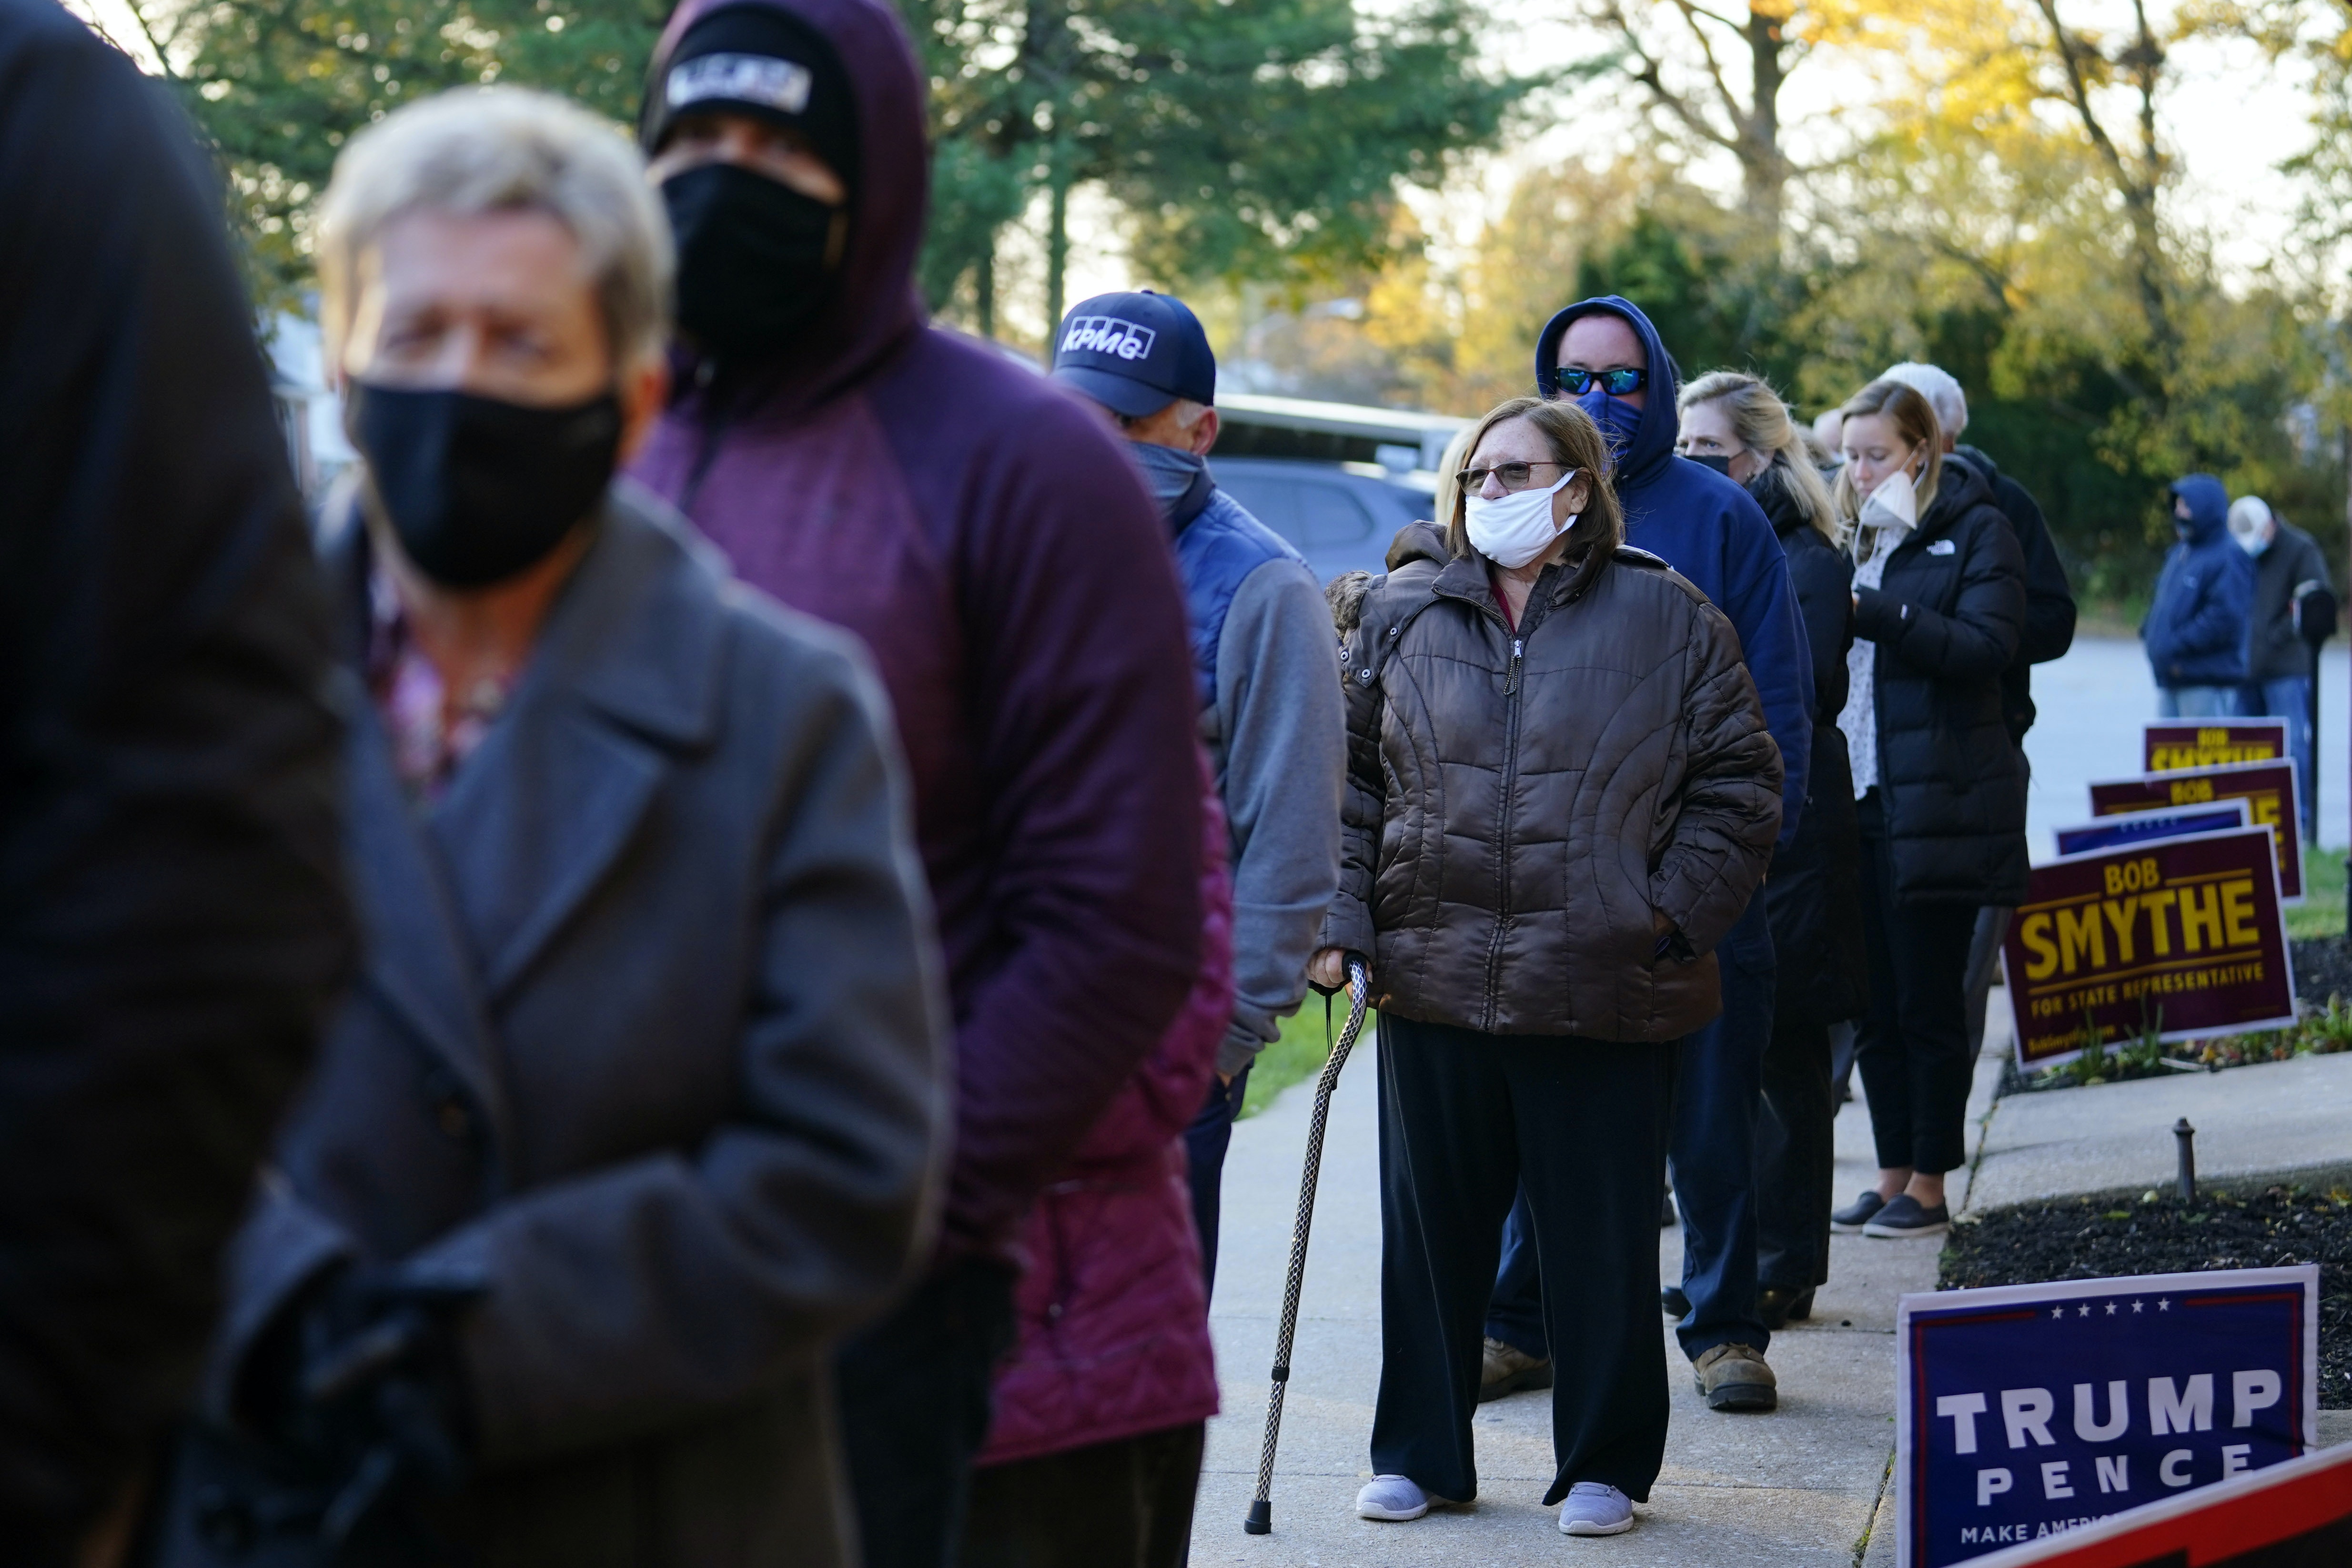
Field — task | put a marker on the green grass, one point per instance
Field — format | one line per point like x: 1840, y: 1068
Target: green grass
x: 2322, y: 912
x: 1300, y: 1052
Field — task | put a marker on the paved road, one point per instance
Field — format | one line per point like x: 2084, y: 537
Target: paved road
x: 2092, y: 705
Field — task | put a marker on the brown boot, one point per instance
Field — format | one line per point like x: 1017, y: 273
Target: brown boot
x: 1734, y: 1377
x: 1507, y: 1370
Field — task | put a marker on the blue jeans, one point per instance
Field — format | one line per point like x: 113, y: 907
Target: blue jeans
x: 1718, y: 1091
x: 1205, y: 1142
x: 2288, y: 698
x: 2196, y: 701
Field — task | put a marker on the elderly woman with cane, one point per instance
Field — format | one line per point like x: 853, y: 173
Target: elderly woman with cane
x: 1561, y: 794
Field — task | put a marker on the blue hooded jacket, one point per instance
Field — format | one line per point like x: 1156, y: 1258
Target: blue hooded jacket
x: 2197, y: 625
x: 1711, y: 530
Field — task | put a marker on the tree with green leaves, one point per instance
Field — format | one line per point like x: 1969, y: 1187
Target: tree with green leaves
x: 1241, y: 138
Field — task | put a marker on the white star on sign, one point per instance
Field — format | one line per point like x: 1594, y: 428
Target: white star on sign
x: 2137, y: 1305
x: 2084, y: 1311
x: 2111, y: 1308
x: 2162, y: 1305
x: 2057, y: 1312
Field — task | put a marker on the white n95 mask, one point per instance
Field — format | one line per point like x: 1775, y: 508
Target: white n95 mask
x: 1893, y: 504
x: 1513, y: 530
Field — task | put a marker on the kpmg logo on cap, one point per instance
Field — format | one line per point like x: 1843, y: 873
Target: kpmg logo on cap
x: 1107, y: 335
x: 764, y: 79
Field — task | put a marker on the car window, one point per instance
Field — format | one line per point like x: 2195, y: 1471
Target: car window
x: 1330, y: 515
x: 1272, y: 501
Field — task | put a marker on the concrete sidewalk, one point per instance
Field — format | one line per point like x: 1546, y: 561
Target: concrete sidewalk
x: 1796, y: 1488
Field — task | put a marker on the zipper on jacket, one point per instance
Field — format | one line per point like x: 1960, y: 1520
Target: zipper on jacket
x: 1503, y: 819
x: 1511, y: 674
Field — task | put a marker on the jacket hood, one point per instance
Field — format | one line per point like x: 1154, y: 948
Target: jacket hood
x: 1418, y: 542
x: 2209, y: 506
x: 1958, y: 487
x: 1653, y: 445
x: 876, y: 306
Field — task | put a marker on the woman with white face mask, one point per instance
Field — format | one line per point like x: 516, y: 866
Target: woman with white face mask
x: 1562, y: 794
x: 1939, y: 603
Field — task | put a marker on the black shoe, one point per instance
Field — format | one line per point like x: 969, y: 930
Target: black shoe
x: 1855, y: 1215
x: 1905, y: 1218
x: 1776, y: 1307
x: 1677, y: 1305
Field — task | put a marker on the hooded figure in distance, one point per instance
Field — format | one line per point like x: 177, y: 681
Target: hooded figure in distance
x: 990, y: 542
x: 2199, y: 619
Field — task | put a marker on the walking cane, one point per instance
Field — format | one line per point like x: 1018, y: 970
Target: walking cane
x: 1359, y: 987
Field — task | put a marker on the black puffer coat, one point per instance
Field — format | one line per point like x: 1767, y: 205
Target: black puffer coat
x: 1523, y: 805
x: 1945, y: 620
x: 1814, y: 896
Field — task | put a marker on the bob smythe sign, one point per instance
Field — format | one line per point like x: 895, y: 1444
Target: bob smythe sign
x: 2269, y: 789
x: 2174, y: 936
x: 2025, y: 1410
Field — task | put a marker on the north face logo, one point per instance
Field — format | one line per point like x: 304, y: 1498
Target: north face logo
x: 1107, y: 335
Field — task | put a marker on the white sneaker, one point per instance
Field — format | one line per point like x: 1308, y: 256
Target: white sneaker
x: 1393, y: 1498
x: 1592, y: 1508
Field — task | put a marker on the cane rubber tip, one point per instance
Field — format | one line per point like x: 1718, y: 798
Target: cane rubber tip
x: 1261, y: 1518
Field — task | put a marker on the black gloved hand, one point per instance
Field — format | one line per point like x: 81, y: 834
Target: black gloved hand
x: 362, y: 1384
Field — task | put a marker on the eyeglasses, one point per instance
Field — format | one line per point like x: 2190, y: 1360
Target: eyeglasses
x: 1514, y: 476
x: 1615, y: 382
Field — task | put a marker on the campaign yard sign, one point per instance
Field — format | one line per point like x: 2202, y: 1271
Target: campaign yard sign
x: 2168, y: 743
x: 2140, y: 826
x: 2025, y: 1410
x: 2181, y: 936
x: 2269, y: 789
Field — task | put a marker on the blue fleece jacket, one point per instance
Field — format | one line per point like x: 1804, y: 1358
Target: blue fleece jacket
x: 2196, y: 623
x: 1712, y: 532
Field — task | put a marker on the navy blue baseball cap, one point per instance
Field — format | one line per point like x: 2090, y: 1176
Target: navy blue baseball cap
x: 1135, y: 354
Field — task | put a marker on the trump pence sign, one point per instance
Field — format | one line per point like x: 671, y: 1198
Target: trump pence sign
x: 2026, y: 1411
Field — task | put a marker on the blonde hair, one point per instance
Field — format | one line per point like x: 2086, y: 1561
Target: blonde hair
x: 1448, y: 500
x: 502, y: 148
x: 1574, y: 441
x: 1760, y: 421
x: 1914, y: 420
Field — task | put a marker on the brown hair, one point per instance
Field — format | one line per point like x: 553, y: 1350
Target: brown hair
x: 1568, y: 431
x: 1914, y: 421
x: 1760, y: 420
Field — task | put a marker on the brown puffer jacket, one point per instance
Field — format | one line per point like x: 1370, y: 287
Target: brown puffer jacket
x: 1521, y: 807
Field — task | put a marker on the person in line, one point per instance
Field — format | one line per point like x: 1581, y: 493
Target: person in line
x: 2202, y: 616
x: 2048, y: 633
x: 1735, y: 423
x: 2294, y: 613
x: 1939, y: 598
x: 981, y: 531
x: 1093, y: 1456
x: 175, y: 916
x: 643, y: 1101
x: 1262, y: 659
x: 1561, y: 794
x: 1605, y: 356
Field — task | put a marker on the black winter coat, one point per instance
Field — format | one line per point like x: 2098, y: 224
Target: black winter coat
x: 2291, y: 565
x: 173, y: 921
x: 2049, y: 630
x: 1945, y: 618
x: 1813, y: 899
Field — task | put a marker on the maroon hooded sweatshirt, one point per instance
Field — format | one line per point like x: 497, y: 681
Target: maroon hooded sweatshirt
x: 988, y: 539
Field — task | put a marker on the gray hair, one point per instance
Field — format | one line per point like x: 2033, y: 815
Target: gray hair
x: 1942, y: 392
x: 480, y: 150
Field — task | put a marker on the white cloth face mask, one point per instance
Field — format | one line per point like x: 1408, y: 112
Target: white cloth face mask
x: 1513, y: 530
x: 1893, y: 504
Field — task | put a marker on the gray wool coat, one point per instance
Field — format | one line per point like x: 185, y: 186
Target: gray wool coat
x: 650, y: 1043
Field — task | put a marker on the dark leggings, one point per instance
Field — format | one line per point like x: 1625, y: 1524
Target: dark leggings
x: 1912, y: 1044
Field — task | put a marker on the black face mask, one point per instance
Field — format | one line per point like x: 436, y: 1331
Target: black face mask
x: 1719, y: 461
x: 753, y: 263
x: 477, y: 489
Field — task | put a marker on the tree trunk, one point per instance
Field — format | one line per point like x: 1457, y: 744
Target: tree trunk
x: 1764, y: 169
x: 1057, y: 244
x: 984, y: 288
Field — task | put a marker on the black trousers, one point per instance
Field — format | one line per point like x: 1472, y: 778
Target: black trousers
x: 1205, y: 1142
x: 1123, y: 1504
x: 1912, y: 1044
x: 914, y: 1391
x: 1796, y: 1155
x: 1467, y: 1120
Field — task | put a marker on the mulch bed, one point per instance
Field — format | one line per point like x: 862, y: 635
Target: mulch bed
x: 2091, y: 1239
x: 2323, y: 968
